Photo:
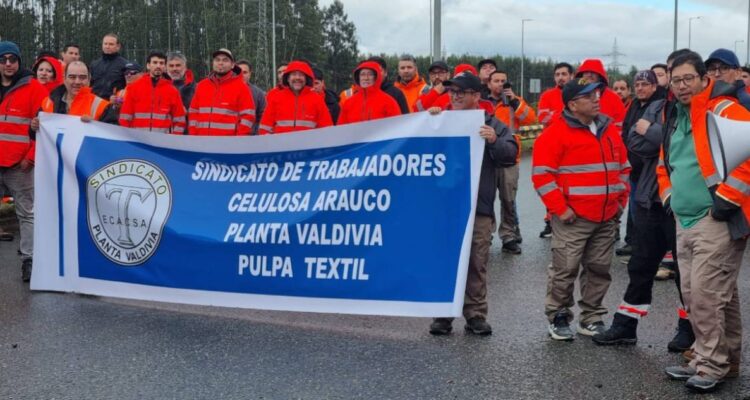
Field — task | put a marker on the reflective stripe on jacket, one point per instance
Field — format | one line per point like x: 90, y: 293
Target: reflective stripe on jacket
x: 733, y: 193
x: 572, y: 167
x: 156, y: 109
x: 85, y: 103
x: 290, y: 112
x: 222, y: 106
x: 368, y: 103
x: 18, y: 107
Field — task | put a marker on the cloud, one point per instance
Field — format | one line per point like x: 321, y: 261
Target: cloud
x: 564, y: 31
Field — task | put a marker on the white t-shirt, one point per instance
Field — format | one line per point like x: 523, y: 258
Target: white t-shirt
x: 592, y: 127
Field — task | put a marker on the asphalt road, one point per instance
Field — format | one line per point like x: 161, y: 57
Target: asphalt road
x: 67, y: 346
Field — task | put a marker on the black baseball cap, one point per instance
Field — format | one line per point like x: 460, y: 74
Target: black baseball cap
x: 465, y: 82
x: 486, y: 61
x: 578, y: 87
x: 133, y: 66
x: 439, y: 64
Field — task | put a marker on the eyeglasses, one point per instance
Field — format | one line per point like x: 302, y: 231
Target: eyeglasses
x: 718, y: 69
x: 588, y: 96
x: 8, y: 60
x: 459, y: 92
x: 687, y: 80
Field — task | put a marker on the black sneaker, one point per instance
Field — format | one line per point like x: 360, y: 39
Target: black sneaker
x: 441, y: 326
x: 591, y: 329
x: 559, y: 329
x: 547, y: 231
x: 624, y: 250
x: 511, y: 247
x: 478, y: 326
x: 616, y: 334
x: 683, y: 339
x: 26, y: 270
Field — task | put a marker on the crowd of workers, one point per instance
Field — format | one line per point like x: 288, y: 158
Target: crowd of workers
x: 604, y: 155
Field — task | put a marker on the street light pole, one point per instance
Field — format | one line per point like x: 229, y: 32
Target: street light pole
x: 690, y: 29
x: 674, y: 40
x: 523, y: 23
x: 273, y: 40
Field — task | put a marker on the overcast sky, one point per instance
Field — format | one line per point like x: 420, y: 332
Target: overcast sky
x: 563, y: 30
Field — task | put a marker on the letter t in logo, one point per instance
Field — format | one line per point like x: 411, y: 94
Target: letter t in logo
x: 124, y: 195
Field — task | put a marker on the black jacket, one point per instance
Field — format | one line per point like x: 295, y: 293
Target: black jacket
x: 633, y: 114
x: 332, y: 102
x: 502, y: 153
x: 643, y: 150
x: 397, y: 94
x: 107, y: 75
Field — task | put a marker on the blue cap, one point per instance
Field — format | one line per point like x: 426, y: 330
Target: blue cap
x: 725, y: 57
x: 578, y: 87
x: 133, y: 66
x: 7, y: 47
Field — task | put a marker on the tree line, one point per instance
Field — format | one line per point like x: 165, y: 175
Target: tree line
x: 322, y: 35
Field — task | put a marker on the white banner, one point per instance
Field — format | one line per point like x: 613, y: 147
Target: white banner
x: 370, y: 218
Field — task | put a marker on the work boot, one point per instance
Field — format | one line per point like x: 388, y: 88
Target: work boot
x: 684, y: 337
x: 26, y: 270
x: 511, y: 247
x: 441, y: 326
x: 478, y: 326
x: 622, y: 331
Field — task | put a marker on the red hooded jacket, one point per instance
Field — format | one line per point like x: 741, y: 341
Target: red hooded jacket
x: 609, y: 103
x: 289, y: 112
x: 56, y: 66
x: 368, y: 103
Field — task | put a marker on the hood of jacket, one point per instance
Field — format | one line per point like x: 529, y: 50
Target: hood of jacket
x: 298, y: 66
x: 373, y: 66
x: 593, y: 65
x: 56, y: 66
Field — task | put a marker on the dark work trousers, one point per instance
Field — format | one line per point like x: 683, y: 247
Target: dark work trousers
x: 630, y: 225
x: 655, y: 235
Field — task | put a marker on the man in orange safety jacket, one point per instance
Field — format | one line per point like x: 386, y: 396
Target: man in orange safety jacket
x: 295, y: 107
x: 20, y: 99
x: 222, y: 104
x: 712, y: 209
x: 580, y: 170
x: 152, y: 103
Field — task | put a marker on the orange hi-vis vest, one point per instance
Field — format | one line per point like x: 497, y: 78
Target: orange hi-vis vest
x: 717, y: 98
x: 523, y: 116
x: 84, y: 103
x: 413, y: 89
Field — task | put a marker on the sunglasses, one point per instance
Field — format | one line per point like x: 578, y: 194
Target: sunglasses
x: 8, y: 59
